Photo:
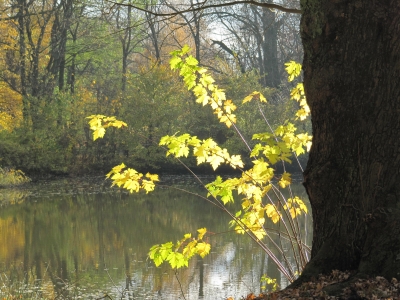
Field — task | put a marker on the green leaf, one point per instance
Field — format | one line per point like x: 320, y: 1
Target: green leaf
x: 155, y: 255
x: 206, y: 80
x: 191, y: 61
x: 186, y: 49
x: 293, y: 69
x: 175, y: 62
x: 165, y: 250
x: 177, y: 260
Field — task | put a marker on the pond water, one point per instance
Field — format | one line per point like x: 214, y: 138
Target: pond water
x: 81, y: 239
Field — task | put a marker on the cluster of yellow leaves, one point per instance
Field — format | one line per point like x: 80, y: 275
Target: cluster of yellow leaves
x: 131, y: 179
x: 256, y: 182
x: 280, y: 145
x: 121, y: 176
x: 297, y: 143
x: 254, y: 95
x: 179, y: 254
x: 99, y: 123
x: 293, y: 69
x: 295, y: 206
x: 204, y: 150
x: 202, y: 84
x: 266, y: 280
x: 253, y: 185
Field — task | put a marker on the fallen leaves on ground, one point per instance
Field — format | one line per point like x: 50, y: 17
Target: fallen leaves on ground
x: 366, y: 289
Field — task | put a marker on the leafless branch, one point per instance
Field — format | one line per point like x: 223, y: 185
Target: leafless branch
x: 206, y: 6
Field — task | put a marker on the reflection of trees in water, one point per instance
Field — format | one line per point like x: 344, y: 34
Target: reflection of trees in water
x: 12, y: 196
x: 200, y: 266
x: 65, y: 242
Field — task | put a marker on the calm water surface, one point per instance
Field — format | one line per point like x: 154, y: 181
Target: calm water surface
x: 81, y: 239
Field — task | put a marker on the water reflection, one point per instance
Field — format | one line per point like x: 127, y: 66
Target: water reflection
x: 74, y: 239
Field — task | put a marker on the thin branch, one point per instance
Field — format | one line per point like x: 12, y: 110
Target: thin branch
x: 27, y: 15
x: 180, y: 285
x: 203, y: 7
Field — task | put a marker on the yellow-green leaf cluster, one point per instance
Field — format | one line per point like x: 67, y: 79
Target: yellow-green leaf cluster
x: 254, y: 95
x: 266, y: 280
x: 297, y: 143
x: 254, y: 185
x: 272, y: 213
x: 132, y: 180
x: 99, y: 123
x: 178, y: 146
x: 202, y: 85
x: 204, y: 150
x: 179, y: 254
x: 293, y: 69
x: 280, y: 145
x: 295, y: 206
x: 285, y: 180
x: 297, y: 93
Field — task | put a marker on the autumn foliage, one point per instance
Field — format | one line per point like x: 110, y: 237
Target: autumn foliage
x: 259, y: 185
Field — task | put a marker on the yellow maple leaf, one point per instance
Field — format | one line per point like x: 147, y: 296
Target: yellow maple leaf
x: 152, y: 177
x: 119, y: 124
x: 203, y: 249
x: 228, y: 120
x: 132, y: 185
x: 285, y: 180
x: 98, y: 133
x: 202, y: 232
x: 255, y: 95
x: 236, y: 161
x: 148, y: 186
x: 116, y: 169
x: 215, y: 161
x: 229, y: 106
x: 272, y: 213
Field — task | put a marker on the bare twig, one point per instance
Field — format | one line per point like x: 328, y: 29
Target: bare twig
x: 180, y: 285
x: 203, y: 7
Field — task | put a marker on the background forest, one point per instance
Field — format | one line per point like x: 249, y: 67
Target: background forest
x: 61, y: 61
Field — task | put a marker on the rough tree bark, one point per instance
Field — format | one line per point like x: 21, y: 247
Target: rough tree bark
x: 351, y: 77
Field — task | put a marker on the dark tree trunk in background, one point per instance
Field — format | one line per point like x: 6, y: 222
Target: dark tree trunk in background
x: 126, y: 47
x: 21, y: 5
x: 124, y: 24
x: 59, y: 34
x: 154, y: 36
x: 72, y: 65
x: 265, y: 27
x: 351, y: 77
x: 270, y: 48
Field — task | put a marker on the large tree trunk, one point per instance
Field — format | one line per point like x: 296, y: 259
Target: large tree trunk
x: 270, y: 48
x: 351, y: 77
